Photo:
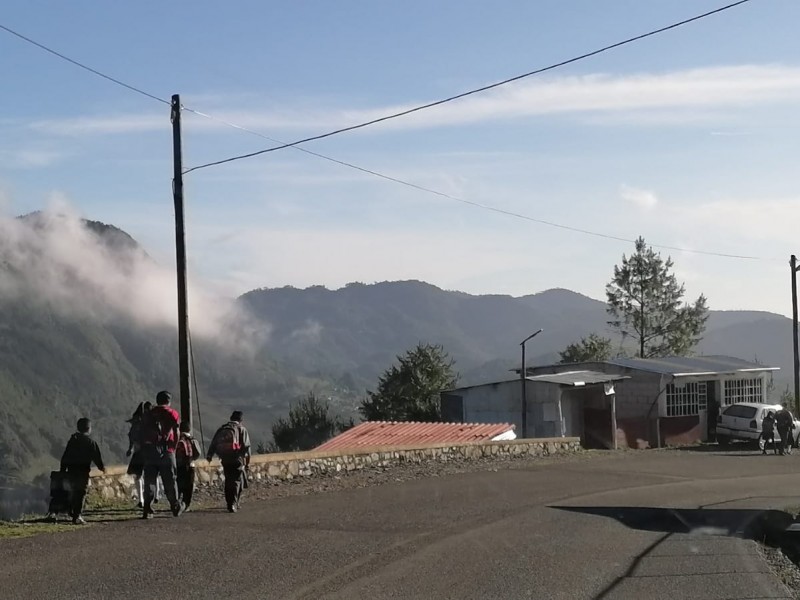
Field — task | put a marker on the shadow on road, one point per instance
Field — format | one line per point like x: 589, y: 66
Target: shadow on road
x: 766, y: 526
x: 740, y: 522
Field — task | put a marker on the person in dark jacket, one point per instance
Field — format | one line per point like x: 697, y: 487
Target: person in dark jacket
x: 768, y: 432
x: 232, y: 443
x: 784, y: 422
x: 76, y: 462
x: 136, y: 465
x: 186, y: 453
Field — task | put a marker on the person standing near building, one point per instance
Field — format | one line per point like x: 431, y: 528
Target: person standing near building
x: 768, y: 432
x: 186, y: 452
x: 159, y: 439
x: 76, y: 462
x: 784, y: 421
x: 232, y: 444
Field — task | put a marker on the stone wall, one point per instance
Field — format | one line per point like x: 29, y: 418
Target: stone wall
x: 115, y: 484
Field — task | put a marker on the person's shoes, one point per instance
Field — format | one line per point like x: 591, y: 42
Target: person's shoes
x: 178, y: 509
x: 186, y: 508
x: 78, y: 521
x: 232, y: 508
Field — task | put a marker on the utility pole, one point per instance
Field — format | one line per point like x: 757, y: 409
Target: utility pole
x: 180, y: 255
x: 794, y: 267
x: 523, y: 381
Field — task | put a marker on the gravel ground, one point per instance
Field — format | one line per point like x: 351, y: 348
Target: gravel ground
x: 265, y: 490
x: 785, y: 569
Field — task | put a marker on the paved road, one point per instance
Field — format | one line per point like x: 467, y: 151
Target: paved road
x: 599, y: 527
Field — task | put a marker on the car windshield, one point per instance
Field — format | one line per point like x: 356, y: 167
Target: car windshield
x: 743, y: 412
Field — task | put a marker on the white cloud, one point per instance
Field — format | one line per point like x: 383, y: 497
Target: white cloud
x: 30, y: 158
x: 102, y: 125
x: 644, y: 199
x: 697, y: 93
x: 53, y: 258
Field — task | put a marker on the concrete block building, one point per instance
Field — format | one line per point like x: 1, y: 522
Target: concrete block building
x: 623, y: 402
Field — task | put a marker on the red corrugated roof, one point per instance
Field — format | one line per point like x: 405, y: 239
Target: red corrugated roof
x: 390, y: 433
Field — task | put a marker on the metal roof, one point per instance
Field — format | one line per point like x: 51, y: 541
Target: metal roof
x: 373, y: 434
x: 691, y: 365
x: 577, y: 378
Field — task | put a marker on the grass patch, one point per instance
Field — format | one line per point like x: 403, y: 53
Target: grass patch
x: 28, y: 528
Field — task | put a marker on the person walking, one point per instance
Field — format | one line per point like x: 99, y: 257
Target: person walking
x: 784, y: 421
x: 186, y: 452
x: 76, y: 462
x: 768, y: 432
x: 232, y: 444
x: 159, y: 437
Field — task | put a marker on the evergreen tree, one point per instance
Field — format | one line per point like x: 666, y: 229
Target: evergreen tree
x: 646, y: 304
x: 410, y: 390
x: 594, y: 348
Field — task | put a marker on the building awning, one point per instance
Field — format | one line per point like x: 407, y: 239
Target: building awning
x: 577, y: 378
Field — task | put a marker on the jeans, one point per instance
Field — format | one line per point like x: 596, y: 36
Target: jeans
x: 185, y: 477
x: 156, y: 465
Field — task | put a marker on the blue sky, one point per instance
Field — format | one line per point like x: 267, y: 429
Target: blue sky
x: 690, y: 139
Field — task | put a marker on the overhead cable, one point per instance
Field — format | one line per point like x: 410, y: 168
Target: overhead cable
x: 82, y: 66
x: 473, y: 91
x: 469, y: 202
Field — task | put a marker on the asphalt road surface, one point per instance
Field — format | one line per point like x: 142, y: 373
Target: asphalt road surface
x: 642, y: 524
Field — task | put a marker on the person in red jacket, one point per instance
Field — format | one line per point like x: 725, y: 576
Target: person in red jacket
x: 159, y: 437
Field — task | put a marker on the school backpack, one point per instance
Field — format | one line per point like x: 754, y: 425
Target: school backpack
x: 227, y: 440
x: 152, y: 430
x: 184, y: 453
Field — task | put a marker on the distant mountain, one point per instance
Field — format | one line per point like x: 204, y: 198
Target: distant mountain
x: 87, y: 328
x: 358, y: 330
x: 81, y: 334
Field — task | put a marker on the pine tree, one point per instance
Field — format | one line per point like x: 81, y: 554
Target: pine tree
x: 646, y: 304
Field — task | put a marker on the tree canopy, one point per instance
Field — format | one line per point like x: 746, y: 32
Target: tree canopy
x: 409, y: 391
x: 589, y: 349
x: 309, y: 424
x: 646, y: 304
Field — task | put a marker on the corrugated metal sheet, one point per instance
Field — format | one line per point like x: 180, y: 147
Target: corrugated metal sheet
x: 672, y: 365
x: 390, y: 433
x: 577, y: 378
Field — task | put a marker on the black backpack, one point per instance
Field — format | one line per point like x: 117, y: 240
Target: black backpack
x: 152, y: 431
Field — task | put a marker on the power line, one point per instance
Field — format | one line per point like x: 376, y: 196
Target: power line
x: 82, y: 66
x: 474, y: 91
x: 495, y: 209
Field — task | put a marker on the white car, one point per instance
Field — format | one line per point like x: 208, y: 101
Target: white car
x: 742, y: 421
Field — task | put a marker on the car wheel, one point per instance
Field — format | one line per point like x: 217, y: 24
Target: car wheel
x: 723, y: 440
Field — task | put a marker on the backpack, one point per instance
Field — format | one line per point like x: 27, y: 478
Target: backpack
x: 227, y: 440
x: 784, y: 419
x: 184, y: 453
x: 152, y: 430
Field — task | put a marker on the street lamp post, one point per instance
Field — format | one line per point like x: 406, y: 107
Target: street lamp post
x: 522, y: 375
x: 795, y: 268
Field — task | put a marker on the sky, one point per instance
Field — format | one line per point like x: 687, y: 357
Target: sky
x: 690, y: 139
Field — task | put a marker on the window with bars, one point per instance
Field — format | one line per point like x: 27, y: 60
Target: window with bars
x: 687, y: 399
x: 743, y: 390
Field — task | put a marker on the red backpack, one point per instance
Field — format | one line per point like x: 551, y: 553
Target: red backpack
x: 227, y: 439
x: 184, y: 453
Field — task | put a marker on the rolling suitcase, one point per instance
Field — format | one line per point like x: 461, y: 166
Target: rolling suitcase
x: 59, y: 493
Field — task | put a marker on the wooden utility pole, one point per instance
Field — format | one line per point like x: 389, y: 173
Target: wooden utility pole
x: 794, y: 267
x: 180, y: 254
